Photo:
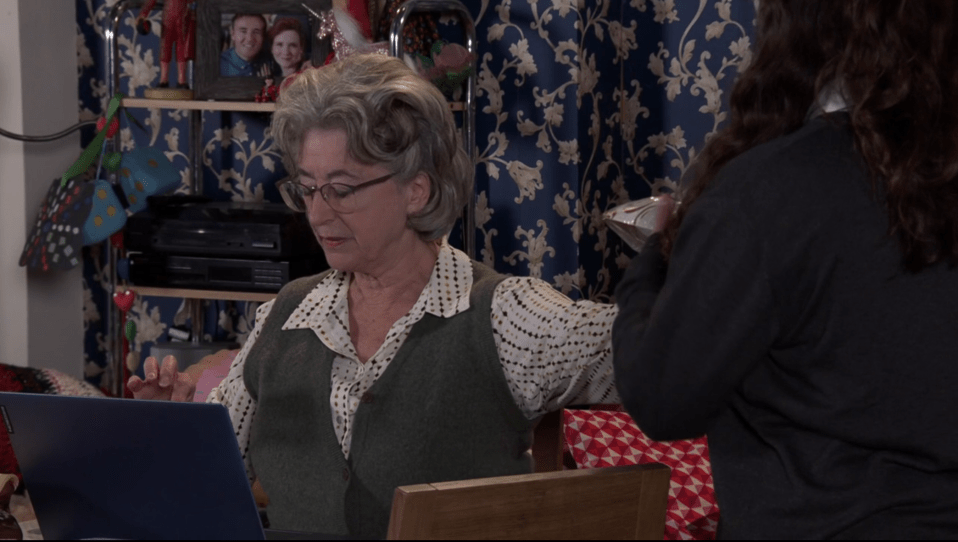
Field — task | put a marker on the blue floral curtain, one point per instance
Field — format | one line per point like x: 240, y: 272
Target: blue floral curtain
x: 581, y: 106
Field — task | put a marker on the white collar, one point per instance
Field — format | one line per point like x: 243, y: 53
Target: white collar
x: 445, y: 295
x: 830, y: 100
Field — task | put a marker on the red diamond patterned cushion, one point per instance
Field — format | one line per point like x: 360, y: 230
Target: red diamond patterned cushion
x: 607, y: 438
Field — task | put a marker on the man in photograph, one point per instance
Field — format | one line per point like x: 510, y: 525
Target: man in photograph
x: 243, y: 58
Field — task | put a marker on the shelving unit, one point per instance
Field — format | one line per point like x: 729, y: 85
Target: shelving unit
x: 197, y: 107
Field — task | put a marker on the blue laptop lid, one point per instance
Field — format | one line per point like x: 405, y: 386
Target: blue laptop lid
x: 123, y: 468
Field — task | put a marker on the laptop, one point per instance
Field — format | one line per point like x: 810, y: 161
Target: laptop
x: 132, y: 469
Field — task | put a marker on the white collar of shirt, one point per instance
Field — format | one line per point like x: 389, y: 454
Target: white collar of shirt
x: 446, y: 294
x: 830, y: 100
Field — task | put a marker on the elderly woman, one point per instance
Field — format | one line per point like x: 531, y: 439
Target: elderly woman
x: 406, y: 362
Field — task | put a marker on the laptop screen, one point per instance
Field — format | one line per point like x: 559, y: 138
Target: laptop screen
x: 123, y: 468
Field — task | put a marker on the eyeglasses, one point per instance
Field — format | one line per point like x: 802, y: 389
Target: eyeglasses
x: 341, y: 198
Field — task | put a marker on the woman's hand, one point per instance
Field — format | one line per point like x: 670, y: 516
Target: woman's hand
x: 162, y: 382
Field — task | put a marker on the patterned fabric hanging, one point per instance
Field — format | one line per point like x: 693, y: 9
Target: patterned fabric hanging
x: 78, y: 211
x: 55, y: 240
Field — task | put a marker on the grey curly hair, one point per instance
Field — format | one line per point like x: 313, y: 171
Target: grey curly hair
x: 392, y: 117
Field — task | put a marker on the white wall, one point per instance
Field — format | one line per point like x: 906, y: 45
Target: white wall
x: 41, y: 315
x: 13, y: 281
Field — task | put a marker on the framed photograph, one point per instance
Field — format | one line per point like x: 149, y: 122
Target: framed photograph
x: 242, y: 43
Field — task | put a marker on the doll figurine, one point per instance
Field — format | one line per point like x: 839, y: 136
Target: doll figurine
x: 268, y: 93
x: 179, y: 32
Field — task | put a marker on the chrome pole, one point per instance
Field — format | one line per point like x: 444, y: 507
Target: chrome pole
x: 457, y: 8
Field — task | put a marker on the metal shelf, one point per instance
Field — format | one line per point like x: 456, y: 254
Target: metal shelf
x: 458, y: 10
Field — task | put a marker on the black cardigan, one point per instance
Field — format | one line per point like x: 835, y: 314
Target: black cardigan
x: 784, y: 327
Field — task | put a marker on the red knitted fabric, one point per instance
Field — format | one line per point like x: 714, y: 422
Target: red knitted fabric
x: 606, y: 438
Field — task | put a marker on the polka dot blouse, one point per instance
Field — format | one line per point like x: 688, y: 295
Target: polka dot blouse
x: 554, y: 351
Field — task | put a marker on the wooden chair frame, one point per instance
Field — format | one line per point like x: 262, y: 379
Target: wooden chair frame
x: 627, y: 502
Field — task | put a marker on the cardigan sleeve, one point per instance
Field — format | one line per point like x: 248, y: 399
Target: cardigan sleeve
x: 688, y: 332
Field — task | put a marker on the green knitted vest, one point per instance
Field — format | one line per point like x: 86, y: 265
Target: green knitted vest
x: 441, y: 411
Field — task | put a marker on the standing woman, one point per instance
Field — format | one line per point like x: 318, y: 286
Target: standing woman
x: 801, y: 306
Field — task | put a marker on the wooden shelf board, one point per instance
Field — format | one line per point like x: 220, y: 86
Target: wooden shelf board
x: 207, y: 105
x: 222, y: 295
x: 211, y: 105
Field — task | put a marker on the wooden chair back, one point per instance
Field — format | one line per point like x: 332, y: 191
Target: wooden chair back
x: 548, y: 443
x: 626, y: 502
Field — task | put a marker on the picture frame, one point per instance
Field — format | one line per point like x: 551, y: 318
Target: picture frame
x: 214, y: 18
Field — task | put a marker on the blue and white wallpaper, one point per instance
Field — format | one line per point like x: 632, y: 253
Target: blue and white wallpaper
x: 581, y: 105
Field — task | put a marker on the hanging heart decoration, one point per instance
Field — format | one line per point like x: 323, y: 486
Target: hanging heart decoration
x: 117, y: 240
x: 114, y: 125
x: 124, y: 300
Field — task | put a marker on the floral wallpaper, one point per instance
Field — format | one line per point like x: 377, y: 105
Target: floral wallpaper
x: 581, y: 106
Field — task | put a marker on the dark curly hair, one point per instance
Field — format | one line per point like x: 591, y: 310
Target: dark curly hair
x: 897, y: 64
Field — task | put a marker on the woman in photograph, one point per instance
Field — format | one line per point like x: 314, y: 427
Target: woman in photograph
x: 287, y: 39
